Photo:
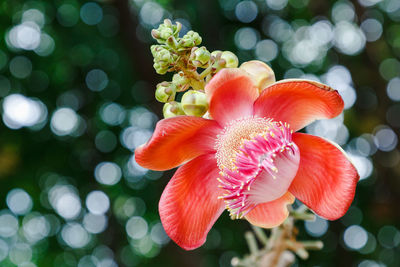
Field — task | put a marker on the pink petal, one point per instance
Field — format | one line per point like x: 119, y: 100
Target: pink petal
x: 177, y: 140
x: 189, y: 205
x: 269, y: 186
x: 298, y: 102
x: 271, y: 214
x: 326, y: 179
x: 231, y: 94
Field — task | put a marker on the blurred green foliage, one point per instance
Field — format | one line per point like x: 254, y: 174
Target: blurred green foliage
x: 77, y: 96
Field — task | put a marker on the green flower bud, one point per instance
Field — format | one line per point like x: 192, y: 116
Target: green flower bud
x: 165, y: 31
x: 165, y: 55
x: 190, y: 39
x: 194, y: 103
x: 200, y: 57
x: 154, y: 49
x: 215, y: 53
x: 160, y: 68
x: 230, y: 58
x: 172, y: 109
x: 165, y: 92
x: 163, y: 58
x: 181, y: 82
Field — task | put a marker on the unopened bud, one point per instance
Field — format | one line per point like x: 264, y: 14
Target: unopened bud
x: 200, y: 56
x: 217, y: 63
x: 171, y: 42
x: 230, y: 58
x: 216, y: 53
x: 165, y: 92
x: 160, y: 68
x: 165, y: 55
x: 172, y: 109
x: 190, y: 39
x: 194, y: 103
x: 154, y: 49
x: 165, y: 31
x: 163, y: 58
x: 181, y: 82
x: 262, y: 74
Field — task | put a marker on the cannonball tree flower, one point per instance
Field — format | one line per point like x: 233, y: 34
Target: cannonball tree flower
x: 248, y: 158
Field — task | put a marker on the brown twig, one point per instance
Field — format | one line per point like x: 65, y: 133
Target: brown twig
x: 280, y: 247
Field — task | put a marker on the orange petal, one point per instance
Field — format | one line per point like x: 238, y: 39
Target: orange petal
x: 298, y: 102
x: 231, y: 94
x: 271, y: 214
x: 189, y: 205
x: 177, y: 140
x: 326, y: 180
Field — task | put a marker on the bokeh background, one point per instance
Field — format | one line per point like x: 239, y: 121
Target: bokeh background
x: 77, y: 96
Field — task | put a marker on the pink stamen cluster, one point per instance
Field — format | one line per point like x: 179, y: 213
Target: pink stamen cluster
x: 255, y: 155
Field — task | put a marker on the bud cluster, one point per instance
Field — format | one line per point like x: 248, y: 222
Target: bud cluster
x: 194, y: 67
x: 163, y: 58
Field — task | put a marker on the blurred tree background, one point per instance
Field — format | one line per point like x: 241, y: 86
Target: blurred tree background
x: 77, y: 97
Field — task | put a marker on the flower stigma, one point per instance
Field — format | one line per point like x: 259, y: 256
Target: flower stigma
x: 257, y: 160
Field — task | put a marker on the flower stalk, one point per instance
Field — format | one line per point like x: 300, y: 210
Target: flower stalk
x: 280, y: 248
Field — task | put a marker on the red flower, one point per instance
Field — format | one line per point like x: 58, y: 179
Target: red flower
x: 247, y: 158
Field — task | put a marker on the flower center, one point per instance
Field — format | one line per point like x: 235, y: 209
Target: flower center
x: 257, y: 161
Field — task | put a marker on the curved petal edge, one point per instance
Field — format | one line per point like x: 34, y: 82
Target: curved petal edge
x: 231, y: 94
x: 298, y: 102
x: 271, y: 214
x: 177, y: 140
x: 326, y: 180
x: 189, y: 205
